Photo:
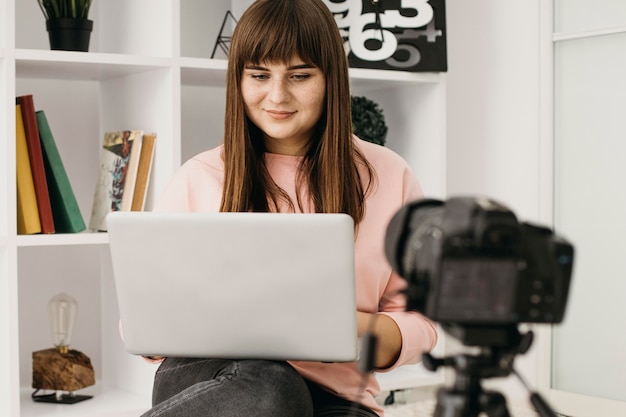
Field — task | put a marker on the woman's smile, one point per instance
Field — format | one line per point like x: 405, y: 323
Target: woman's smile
x: 280, y: 114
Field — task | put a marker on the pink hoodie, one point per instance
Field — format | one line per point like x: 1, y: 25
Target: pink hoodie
x: 197, y: 187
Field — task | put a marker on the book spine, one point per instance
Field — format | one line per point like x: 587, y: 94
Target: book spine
x: 143, y: 172
x: 27, y: 107
x: 131, y: 173
x: 65, y: 210
x: 27, y: 212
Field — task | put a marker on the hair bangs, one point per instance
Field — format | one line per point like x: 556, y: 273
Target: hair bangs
x: 281, y: 35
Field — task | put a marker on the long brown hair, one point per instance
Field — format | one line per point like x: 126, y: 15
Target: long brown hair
x: 277, y: 31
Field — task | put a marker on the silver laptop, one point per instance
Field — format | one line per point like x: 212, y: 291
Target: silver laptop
x: 236, y: 285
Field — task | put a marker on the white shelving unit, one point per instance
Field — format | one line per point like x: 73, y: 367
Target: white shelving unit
x: 148, y: 68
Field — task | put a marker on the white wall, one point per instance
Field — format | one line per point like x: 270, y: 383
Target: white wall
x: 493, y: 101
x: 494, y: 116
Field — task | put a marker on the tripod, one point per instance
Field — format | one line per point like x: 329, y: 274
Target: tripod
x: 466, y: 397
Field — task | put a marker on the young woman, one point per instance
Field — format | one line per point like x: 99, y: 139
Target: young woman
x: 288, y: 147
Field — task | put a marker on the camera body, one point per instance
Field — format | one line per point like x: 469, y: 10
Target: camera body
x: 470, y: 263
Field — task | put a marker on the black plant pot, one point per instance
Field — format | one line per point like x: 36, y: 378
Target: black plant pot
x: 69, y: 34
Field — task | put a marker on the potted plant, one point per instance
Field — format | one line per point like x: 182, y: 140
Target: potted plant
x: 67, y: 23
x: 368, y: 121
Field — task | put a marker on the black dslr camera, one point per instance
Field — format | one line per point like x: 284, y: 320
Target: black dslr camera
x: 469, y: 261
x: 477, y: 271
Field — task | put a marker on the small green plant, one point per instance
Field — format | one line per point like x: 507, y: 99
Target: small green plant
x: 55, y: 9
x: 368, y: 121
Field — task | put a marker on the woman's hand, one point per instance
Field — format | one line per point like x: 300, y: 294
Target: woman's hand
x: 388, y: 337
x: 154, y: 359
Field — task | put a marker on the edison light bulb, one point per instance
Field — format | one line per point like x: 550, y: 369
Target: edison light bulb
x: 62, y: 312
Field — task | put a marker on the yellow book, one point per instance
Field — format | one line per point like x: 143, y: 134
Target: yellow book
x: 27, y: 212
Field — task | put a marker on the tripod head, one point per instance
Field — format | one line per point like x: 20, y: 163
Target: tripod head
x: 466, y: 397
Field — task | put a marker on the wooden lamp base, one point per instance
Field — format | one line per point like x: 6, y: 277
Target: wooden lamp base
x: 69, y: 371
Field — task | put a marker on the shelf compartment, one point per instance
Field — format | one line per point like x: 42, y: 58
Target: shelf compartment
x: 120, y: 26
x: 44, y: 273
x: 82, y: 108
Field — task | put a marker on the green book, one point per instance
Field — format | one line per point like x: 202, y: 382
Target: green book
x: 65, y: 210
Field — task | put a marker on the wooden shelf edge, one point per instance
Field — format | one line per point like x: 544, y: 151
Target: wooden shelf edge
x: 63, y: 239
x: 89, y: 57
x: 83, y: 66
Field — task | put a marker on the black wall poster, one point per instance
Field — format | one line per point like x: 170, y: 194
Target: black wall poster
x: 406, y: 35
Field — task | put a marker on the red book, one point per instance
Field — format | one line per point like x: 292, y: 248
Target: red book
x: 35, y: 154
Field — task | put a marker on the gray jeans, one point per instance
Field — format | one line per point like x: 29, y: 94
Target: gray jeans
x: 242, y: 388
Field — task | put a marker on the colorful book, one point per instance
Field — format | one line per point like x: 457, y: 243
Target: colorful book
x: 27, y: 107
x: 143, y: 172
x: 65, y: 210
x: 131, y: 174
x: 114, y: 158
x: 28, y: 222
